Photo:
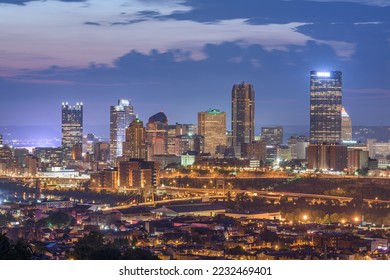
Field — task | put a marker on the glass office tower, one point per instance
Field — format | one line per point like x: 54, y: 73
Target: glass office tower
x: 72, y: 128
x: 325, y: 107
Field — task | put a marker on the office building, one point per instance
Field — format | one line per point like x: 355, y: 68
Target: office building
x: 49, y: 157
x: 105, y: 179
x: 121, y: 116
x: 243, y: 114
x: 212, y: 126
x: 135, y: 144
x: 272, y: 135
x: 101, y: 151
x: 157, y: 135
x: 185, y: 143
x: 31, y: 163
x: 72, y: 128
x: 283, y: 153
x: 325, y: 107
x: 346, y: 126
x: 357, y: 160
x: 327, y: 157
x: 254, y: 151
x: 77, y: 152
x: 138, y: 173
x: 298, y: 145
x: 89, y: 141
x: 1, y: 139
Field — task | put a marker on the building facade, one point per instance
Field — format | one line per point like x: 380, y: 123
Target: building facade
x: 121, y: 116
x: 157, y: 135
x: 243, y: 114
x: 135, y: 144
x: 346, y: 126
x: 325, y: 107
x: 327, y: 157
x: 72, y: 128
x: 212, y: 126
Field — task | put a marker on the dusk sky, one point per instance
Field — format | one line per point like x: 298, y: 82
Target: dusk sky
x: 182, y: 57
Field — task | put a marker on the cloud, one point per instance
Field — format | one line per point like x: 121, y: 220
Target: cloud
x: 381, y: 3
x: 23, y: 2
x: 74, y: 36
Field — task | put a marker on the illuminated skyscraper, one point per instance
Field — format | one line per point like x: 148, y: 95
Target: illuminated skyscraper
x: 212, y: 125
x: 325, y: 107
x: 157, y: 135
x: 72, y: 128
x: 243, y: 113
x: 121, y: 116
x: 346, y: 126
x: 135, y: 144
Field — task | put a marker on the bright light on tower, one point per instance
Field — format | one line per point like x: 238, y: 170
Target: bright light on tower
x: 323, y: 74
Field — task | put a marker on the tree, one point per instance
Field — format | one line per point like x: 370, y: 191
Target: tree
x: 9, y: 251
x: 237, y: 251
x: 92, y: 242
x: 59, y: 219
x: 138, y: 254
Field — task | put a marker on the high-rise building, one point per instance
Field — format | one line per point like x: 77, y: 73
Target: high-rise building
x: 135, y: 144
x: 243, y: 113
x: 121, y: 116
x: 212, y: 126
x: 157, y: 135
x: 1, y: 139
x: 346, y: 126
x: 325, y: 107
x: 72, y: 128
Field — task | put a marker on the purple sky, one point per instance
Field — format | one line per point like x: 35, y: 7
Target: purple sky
x: 182, y: 57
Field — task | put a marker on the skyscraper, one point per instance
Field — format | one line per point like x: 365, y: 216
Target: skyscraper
x: 243, y: 113
x: 212, y: 125
x: 121, y: 116
x: 346, y: 126
x: 157, y: 135
x: 135, y: 144
x: 325, y: 107
x: 72, y: 128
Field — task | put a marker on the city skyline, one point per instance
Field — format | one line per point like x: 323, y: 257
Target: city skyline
x: 185, y: 45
